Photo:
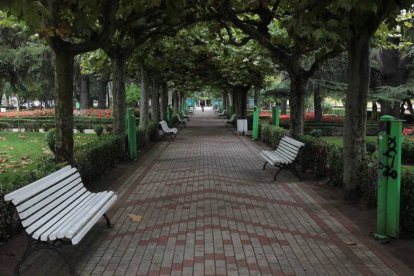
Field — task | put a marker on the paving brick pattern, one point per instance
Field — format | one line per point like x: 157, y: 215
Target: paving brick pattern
x: 209, y: 209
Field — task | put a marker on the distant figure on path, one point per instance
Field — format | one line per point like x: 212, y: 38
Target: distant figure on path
x: 202, y: 104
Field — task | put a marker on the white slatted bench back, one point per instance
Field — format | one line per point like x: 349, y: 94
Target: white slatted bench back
x: 232, y: 118
x: 166, y: 129
x: 59, y: 206
x: 289, y: 148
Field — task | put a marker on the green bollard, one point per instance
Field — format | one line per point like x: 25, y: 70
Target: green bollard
x: 170, y: 116
x: 131, y: 134
x: 255, y: 134
x: 389, y: 178
x: 276, y: 115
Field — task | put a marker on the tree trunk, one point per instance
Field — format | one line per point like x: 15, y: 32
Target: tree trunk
x: 155, y: 100
x: 256, y: 95
x: 374, y: 111
x: 102, y: 84
x: 143, y: 112
x: 283, y: 106
x: 356, y: 114
x: 119, y: 98
x: 297, y: 104
x: 317, y: 103
x: 240, y: 100
x: 64, y: 106
x: 84, y: 91
x: 164, y: 101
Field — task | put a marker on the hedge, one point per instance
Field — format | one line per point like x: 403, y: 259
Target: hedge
x: 325, y: 160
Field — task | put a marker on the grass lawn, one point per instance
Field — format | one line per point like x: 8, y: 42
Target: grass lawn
x: 20, y: 150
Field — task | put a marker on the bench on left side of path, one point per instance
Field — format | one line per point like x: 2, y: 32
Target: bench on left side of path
x: 58, y: 210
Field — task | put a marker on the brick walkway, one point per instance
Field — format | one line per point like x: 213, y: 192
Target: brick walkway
x: 209, y: 209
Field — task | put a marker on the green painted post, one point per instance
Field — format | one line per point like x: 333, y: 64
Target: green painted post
x: 132, y: 134
x: 388, y: 218
x: 276, y: 115
x: 382, y: 188
x: 170, y: 116
x: 255, y: 134
x: 230, y: 111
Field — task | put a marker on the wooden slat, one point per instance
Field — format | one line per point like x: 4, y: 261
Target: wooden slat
x: 39, y: 185
x: 45, y: 232
x: 36, y: 200
x: 41, y: 217
x: 78, y: 237
x: 61, y: 233
x: 83, y: 220
x: 69, y: 218
x: 293, y: 141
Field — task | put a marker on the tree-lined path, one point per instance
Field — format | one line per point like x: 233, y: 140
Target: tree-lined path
x: 209, y: 209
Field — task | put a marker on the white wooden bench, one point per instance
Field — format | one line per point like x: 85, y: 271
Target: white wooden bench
x: 222, y: 114
x: 230, y: 121
x: 285, y: 156
x: 166, y: 130
x: 180, y: 121
x: 57, y: 210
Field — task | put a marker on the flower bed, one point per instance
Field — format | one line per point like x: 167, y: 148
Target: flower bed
x: 309, y: 117
x: 99, y: 113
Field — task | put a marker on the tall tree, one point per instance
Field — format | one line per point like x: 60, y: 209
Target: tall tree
x: 70, y: 28
x: 295, y: 41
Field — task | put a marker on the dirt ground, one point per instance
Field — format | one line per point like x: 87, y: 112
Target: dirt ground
x: 362, y: 216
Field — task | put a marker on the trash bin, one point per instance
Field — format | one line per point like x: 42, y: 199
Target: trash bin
x: 242, y: 126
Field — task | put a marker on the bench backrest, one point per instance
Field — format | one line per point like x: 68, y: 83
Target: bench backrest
x: 39, y: 202
x: 232, y: 118
x: 164, y: 126
x: 289, y: 148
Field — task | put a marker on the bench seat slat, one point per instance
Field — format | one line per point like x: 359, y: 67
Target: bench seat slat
x: 90, y: 212
x: 28, y: 191
x: 41, y: 200
x: 91, y: 222
x: 56, y: 222
x: 41, y: 217
x: 72, y: 216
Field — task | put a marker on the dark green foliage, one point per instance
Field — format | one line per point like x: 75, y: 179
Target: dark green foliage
x: 152, y: 130
x: 407, y: 151
x: 80, y: 128
x: 407, y: 202
x: 141, y: 140
x: 47, y: 126
x: 98, y: 130
x: 335, y: 167
x: 9, y: 222
x: 272, y: 135
x: 51, y: 139
x: 314, y: 156
x: 371, y: 146
x: 315, y: 132
x: 93, y: 159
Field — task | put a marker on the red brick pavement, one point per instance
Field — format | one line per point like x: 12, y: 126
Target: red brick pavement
x: 209, y: 209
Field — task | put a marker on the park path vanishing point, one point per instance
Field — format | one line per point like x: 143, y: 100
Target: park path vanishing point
x: 208, y: 208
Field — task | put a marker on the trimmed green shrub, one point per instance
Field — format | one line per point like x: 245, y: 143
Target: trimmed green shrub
x: 407, y: 201
x: 407, y: 151
x: 9, y: 221
x: 315, y: 132
x: 98, y: 130
x: 51, y: 139
x: 93, y: 159
x: 314, y: 156
x: 80, y: 128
